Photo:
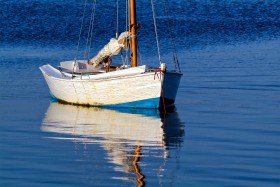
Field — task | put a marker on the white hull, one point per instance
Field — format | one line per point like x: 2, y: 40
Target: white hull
x: 132, y: 87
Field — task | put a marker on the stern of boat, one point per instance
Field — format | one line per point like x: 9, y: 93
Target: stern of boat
x: 170, y: 87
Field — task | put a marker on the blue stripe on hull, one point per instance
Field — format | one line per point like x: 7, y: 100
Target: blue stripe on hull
x: 53, y: 98
x: 147, y: 103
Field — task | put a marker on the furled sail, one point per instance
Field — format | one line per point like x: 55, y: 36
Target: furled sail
x: 112, y: 48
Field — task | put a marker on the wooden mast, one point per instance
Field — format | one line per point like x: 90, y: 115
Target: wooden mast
x: 133, y: 30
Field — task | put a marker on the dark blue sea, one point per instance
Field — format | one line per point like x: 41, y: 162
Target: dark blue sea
x: 225, y: 130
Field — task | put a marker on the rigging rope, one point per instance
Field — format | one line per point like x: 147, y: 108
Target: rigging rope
x: 81, y: 28
x: 117, y: 26
x: 140, y: 56
x: 89, y: 37
x: 155, y: 25
x: 92, y: 24
x: 128, y: 59
x: 171, y: 36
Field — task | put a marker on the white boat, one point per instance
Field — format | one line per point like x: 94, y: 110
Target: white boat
x: 97, y: 82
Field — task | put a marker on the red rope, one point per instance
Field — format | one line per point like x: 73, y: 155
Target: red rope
x: 158, y: 71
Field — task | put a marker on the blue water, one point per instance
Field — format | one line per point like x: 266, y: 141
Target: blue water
x: 226, y: 127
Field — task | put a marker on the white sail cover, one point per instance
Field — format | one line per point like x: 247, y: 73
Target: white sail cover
x: 112, y: 48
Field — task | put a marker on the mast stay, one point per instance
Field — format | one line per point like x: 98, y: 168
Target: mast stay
x: 155, y: 25
x: 171, y: 36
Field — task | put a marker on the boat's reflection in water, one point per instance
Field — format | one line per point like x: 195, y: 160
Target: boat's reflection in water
x: 122, y: 133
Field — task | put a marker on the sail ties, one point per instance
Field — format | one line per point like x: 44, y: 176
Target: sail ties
x: 133, y: 36
x: 112, y: 48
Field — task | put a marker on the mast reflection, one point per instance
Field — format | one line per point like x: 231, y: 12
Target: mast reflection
x: 122, y: 133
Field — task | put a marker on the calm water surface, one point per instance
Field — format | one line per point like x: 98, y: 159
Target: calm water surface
x: 225, y: 131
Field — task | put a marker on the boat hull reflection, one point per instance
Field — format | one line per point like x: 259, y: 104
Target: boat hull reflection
x: 141, y: 127
x: 122, y: 133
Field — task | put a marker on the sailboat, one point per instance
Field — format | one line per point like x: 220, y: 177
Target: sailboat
x: 98, y: 82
